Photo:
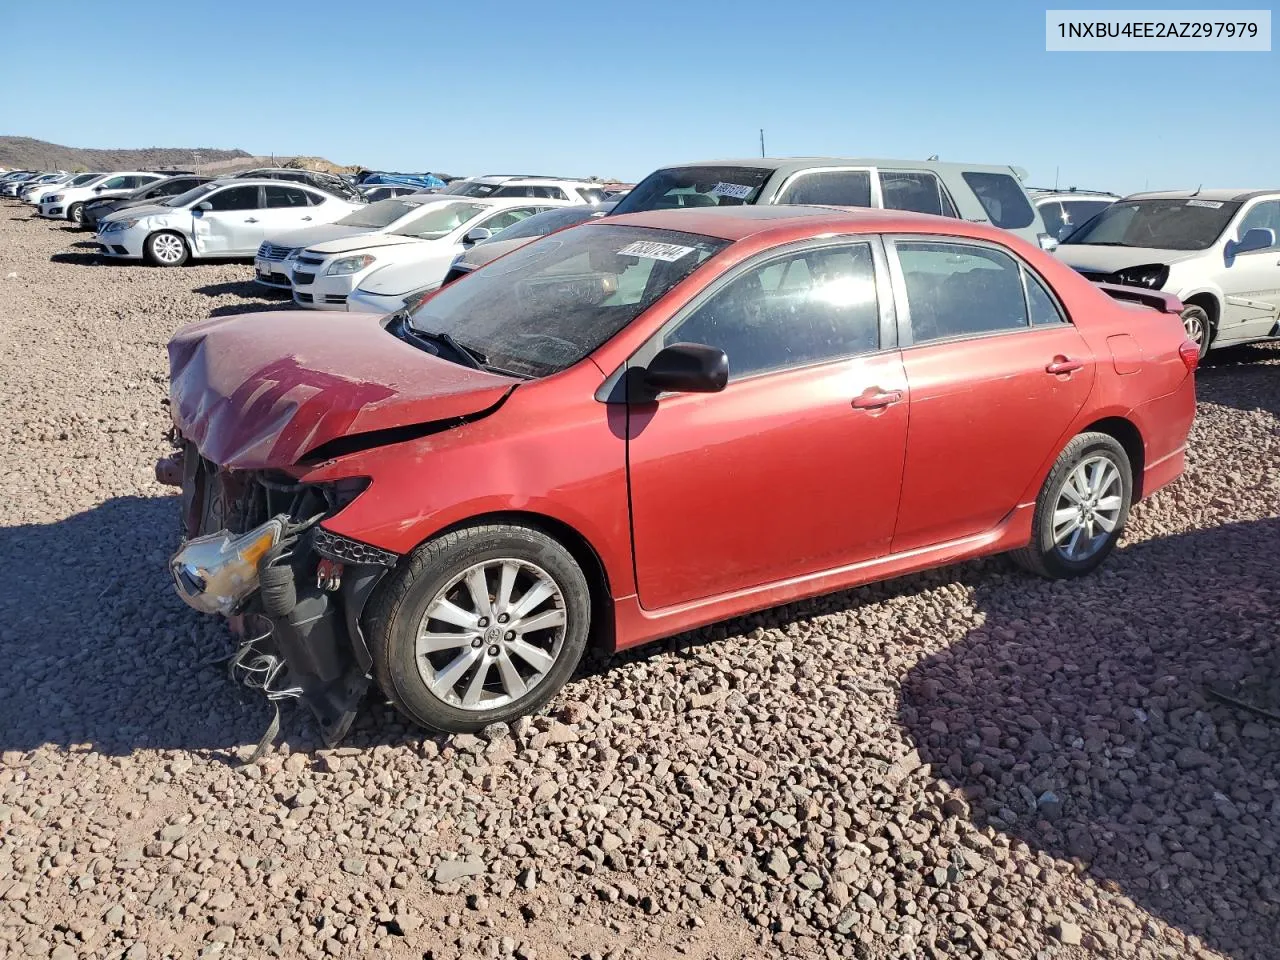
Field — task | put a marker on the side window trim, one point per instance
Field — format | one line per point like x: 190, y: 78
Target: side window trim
x: 877, y: 200
x: 939, y: 180
x: 1029, y: 274
x: 899, y: 285
x: 613, y: 390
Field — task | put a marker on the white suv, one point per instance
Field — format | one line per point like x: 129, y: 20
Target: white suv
x: 1065, y: 211
x: 1215, y: 250
x: 535, y: 188
x: 69, y: 204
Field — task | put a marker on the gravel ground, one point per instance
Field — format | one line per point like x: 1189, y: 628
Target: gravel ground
x: 968, y: 763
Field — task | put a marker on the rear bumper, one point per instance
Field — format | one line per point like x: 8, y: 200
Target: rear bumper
x: 1164, y: 424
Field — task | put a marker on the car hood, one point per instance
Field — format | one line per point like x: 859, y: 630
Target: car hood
x: 320, y: 233
x: 365, y: 241
x: 414, y: 273
x: 1084, y: 256
x: 144, y: 209
x: 259, y: 391
x: 491, y: 250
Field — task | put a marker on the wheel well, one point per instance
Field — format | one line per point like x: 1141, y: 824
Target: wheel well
x: 1208, y: 303
x: 1127, y: 435
x: 602, y: 633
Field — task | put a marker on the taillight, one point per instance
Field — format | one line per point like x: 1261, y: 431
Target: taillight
x: 1190, y: 354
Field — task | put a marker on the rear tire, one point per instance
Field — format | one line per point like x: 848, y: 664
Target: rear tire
x: 1081, y: 510
x: 166, y: 249
x: 488, y: 660
x: 1195, y: 321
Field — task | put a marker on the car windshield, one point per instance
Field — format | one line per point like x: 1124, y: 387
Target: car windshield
x: 549, y: 221
x: 192, y: 195
x: 470, y: 188
x: 85, y: 179
x: 695, y: 187
x: 380, y: 213
x: 550, y: 303
x: 439, y: 219
x: 1162, y: 224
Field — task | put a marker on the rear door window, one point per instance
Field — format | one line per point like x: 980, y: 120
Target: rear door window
x: 1002, y: 198
x: 847, y: 188
x: 916, y: 190
x: 286, y: 197
x: 960, y: 290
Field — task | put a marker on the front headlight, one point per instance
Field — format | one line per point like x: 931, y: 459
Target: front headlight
x: 115, y: 226
x: 214, y: 573
x: 348, y: 265
x: 1151, y: 275
x: 53, y: 198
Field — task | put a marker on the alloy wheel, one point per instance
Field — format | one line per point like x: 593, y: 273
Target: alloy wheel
x: 1194, y: 326
x: 1088, y: 508
x: 491, y: 634
x: 167, y: 248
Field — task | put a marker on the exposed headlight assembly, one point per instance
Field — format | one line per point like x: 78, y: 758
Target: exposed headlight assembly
x: 348, y: 265
x: 214, y: 573
x: 1150, y: 275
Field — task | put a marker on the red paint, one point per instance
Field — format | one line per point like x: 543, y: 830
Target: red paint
x: 780, y: 487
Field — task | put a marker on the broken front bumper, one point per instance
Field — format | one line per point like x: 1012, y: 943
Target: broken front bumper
x: 292, y: 591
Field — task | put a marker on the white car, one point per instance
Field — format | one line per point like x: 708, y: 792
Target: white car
x: 534, y: 188
x: 325, y: 274
x: 222, y: 218
x: 274, y: 262
x: 20, y: 189
x: 1064, y: 211
x: 1215, y: 250
x: 69, y: 204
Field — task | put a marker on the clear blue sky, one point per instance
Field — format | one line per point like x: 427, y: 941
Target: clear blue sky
x: 617, y: 89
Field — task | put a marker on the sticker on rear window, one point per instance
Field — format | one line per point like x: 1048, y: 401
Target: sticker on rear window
x: 654, y: 251
x: 1211, y: 204
x: 736, y: 190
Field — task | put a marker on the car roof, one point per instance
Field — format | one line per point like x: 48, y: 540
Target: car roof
x: 739, y: 222
x: 1198, y: 194
x: 792, y: 164
x: 1045, y: 194
x: 524, y: 178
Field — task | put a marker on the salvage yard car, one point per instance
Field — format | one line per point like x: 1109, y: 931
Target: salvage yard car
x: 648, y: 423
x: 69, y: 204
x: 1215, y: 250
x: 977, y: 192
x: 223, y: 218
x: 159, y: 192
x: 324, y: 274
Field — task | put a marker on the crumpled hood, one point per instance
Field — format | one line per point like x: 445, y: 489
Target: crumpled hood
x: 261, y: 390
x: 1084, y: 256
x: 364, y: 241
x: 145, y: 210
x: 320, y: 233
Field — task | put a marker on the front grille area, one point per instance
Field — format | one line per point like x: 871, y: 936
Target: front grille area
x: 311, y: 261
x: 269, y: 251
x: 345, y: 550
x: 306, y: 279
x: 302, y: 297
x: 335, y: 298
x: 119, y: 249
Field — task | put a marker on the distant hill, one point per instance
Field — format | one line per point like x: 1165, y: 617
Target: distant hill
x: 26, y: 152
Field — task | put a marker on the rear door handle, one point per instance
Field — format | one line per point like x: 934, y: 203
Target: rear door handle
x: 1064, y: 365
x: 251, y: 220
x: 875, y: 399
x: 306, y: 218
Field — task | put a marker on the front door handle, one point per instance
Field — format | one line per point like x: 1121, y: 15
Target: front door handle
x: 876, y: 399
x: 1063, y: 364
x: 251, y: 220
x: 306, y: 218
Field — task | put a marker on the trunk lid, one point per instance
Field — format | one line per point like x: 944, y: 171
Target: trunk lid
x: 260, y: 391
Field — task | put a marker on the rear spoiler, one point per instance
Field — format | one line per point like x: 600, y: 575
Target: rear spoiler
x: 1164, y: 302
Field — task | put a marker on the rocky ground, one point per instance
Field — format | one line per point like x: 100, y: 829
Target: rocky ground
x: 968, y: 763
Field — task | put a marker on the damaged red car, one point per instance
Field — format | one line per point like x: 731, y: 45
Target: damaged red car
x: 646, y: 424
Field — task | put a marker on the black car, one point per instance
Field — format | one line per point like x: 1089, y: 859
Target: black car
x: 157, y: 192
x: 328, y: 182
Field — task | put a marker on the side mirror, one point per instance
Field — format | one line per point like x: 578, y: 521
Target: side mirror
x: 202, y: 206
x: 1259, y: 238
x: 476, y: 235
x: 688, y: 368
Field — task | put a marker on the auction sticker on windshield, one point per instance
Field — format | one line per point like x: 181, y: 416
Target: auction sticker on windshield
x: 736, y: 190
x: 1211, y: 204
x: 669, y: 252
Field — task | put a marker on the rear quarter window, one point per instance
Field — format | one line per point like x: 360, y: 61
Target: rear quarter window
x: 1002, y: 198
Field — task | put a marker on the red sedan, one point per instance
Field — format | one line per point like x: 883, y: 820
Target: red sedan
x: 646, y: 424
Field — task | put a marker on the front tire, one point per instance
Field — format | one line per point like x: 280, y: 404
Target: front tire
x: 166, y: 249
x: 1081, y: 510
x: 1199, y: 329
x: 481, y: 625
x: 75, y: 213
